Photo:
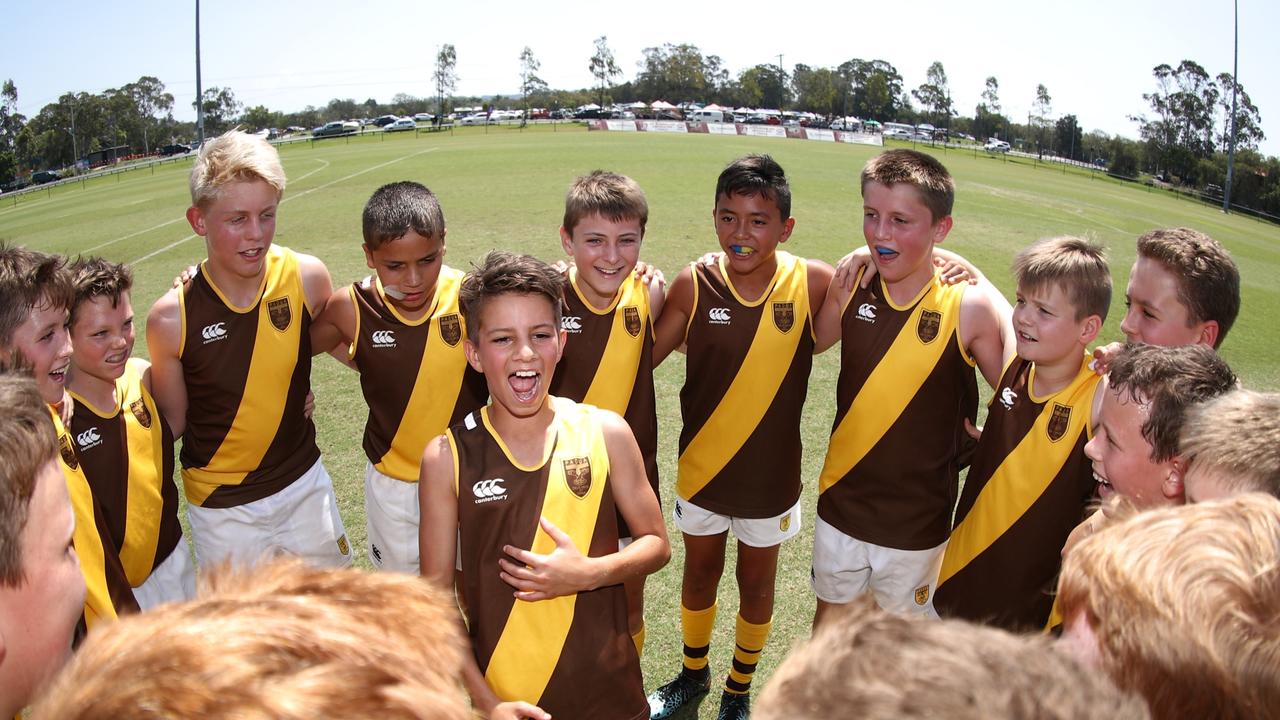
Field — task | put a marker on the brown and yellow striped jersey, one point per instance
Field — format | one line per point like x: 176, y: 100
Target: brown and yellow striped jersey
x: 126, y: 452
x: 247, y: 372
x: 747, y: 373
x: 570, y: 655
x: 107, y: 590
x: 389, y: 349
x: 1028, y: 486
x: 608, y: 362
x: 906, y: 384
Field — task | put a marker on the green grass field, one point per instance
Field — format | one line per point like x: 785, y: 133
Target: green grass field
x: 504, y: 188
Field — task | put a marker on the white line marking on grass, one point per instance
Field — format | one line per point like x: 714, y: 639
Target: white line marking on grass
x: 175, y: 244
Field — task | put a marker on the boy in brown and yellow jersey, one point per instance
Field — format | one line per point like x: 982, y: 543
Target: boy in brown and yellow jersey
x: 608, y: 323
x: 908, y: 346
x: 1029, y: 482
x: 124, y: 443
x: 747, y: 322
x: 402, y: 329
x: 36, y: 294
x: 231, y: 362
x: 526, y: 492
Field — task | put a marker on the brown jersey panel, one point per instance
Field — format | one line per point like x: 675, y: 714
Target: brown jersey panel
x: 587, y: 339
x: 901, y: 493
x: 1008, y: 422
x: 864, y: 344
x: 207, y: 357
x: 1011, y: 583
x: 380, y: 361
x: 103, y: 450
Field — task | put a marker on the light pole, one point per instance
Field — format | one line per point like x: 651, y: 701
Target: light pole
x: 199, y: 90
x: 1235, y: 83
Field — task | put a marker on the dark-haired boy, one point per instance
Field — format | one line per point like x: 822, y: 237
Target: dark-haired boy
x: 125, y: 444
x: 526, y: 492
x: 402, y: 329
x: 747, y: 323
x: 1029, y: 482
x: 908, y: 347
x: 1184, y: 288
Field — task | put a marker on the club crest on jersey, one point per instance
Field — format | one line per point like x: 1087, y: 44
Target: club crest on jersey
x: 784, y: 315
x: 343, y: 546
x: 922, y: 595
x: 1059, y: 421
x: 280, y: 313
x: 450, y: 329
x: 631, y: 320
x: 68, y: 453
x: 577, y: 475
x: 140, y: 411
x: 927, y: 326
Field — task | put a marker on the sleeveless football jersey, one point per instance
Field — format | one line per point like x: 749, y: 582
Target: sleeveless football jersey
x: 389, y: 350
x: 1028, y: 486
x: 126, y: 452
x: 608, y: 362
x: 906, y: 384
x: 107, y: 590
x: 747, y: 373
x: 571, y: 655
x: 248, y: 372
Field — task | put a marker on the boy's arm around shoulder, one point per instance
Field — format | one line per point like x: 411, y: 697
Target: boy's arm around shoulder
x: 335, y: 327
x: 565, y: 570
x: 167, y: 384
x: 316, y: 283
x: 986, y: 329
x: 672, y: 325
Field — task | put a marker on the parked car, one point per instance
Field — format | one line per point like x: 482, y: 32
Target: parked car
x: 335, y: 128
x: 41, y: 177
x: 174, y: 149
x: 385, y: 120
x: 996, y: 145
x: 400, y: 125
x: 424, y: 117
x: 897, y: 134
x: 475, y: 119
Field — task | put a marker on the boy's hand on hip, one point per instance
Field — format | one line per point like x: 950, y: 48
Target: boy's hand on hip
x: 563, y: 571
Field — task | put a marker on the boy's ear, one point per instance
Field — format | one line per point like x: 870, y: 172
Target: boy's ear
x: 941, y: 228
x: 1089, y: 331
x: 368, y: 255
x: 1208, y: 333
x: 473, y: 357
x: 788, y: 225
x: 566, y: 241
x: 195, y: 218
x: 1174, y: 487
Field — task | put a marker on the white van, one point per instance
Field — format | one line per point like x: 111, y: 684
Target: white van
x: 707, y: 116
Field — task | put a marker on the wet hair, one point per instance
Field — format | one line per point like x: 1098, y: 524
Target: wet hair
x: 756, y: 174
x: 396, y: 208
x: 95, y: 277
x: 507, y: 273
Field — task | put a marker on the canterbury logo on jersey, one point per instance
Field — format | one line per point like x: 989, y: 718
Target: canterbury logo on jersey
x: 571, y: 323
x: 718, y: 316
x: 383, y: 338
x: 88, y: 439
x: 489, y: 490
x: 216, y: 331
x: 1007, y: 398
x: 867, y: 312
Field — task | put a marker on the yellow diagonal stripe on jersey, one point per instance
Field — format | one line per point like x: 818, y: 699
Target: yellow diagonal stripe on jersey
x: 1008, y: 494
x: 98, y: 607
x: 435, y: 391
x: 145, y: 500
x: 521, y: 664
x: 258, y: 420
x: 885, y: 394
x: 749, y: 396
x: 616, y: 377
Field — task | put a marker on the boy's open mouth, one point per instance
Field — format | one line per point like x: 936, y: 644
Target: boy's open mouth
x: 742, y: 250
x: 524, y: 383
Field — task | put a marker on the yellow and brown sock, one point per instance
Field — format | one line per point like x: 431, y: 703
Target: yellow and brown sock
x: 749, y: 642
x: 696, y: 627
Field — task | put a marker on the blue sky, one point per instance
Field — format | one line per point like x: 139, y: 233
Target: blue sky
x: 1094, y: 57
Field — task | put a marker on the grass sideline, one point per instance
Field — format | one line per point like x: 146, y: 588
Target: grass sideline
x: 503, y: 187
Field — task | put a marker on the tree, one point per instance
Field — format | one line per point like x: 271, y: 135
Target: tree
x: 1248, y: 121
x: 220, y: 107
x: 259, y: 117
x: 1038, y: 122
x: 11, y: 124
x: 445, y: 76
x: 677, y: 72
x: 764, y: 86
x: 869, y: 89
x: 1181, y: 131
x: 530, y: 83
x: 816, y: 89
x: 148, y: 98
x: 878, y: 98
x: 934, y: 95
x: 603, y: 67
x: 1068, y: 141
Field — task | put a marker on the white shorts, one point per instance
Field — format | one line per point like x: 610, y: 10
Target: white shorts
x: 173, y: 580
x: 844, y: 568
x: 756, y: 532
x: 391, y: 511
x: 301, y: 520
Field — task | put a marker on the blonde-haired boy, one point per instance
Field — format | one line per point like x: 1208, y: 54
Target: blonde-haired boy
x: 1180, y: 605
x: 1231, y: 445
x: 231, y: 358
x: 909, y: 345
x: 1030, y: 482
x: 608, y: 322
x: 282, y: 640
